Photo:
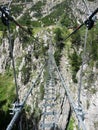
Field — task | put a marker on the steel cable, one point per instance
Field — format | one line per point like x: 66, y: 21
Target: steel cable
x: 70, y: 98
x: 13, y: 64
x: 81, y: 71
x: 26, y: 97
x: 81, y: 74
x: 21, y: 105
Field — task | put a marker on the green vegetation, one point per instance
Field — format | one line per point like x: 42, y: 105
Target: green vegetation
x: 91, y: 0
x: 41, y: 91
x: 91, y: 50
x: 36, y: 23
x: 25, y: 38
x: 26, y: 69
x: 46, y: 74
x: 28, y: 108
x: 38, y: 8
x: 50, y: 19
x: 7, y: 95
x: 36, y: 30
x: 59, y: 44
x: 18, y: 61
x: 37, y: 113
x: 16, y: 10
x: 26, y: 74
x: 57, y: 96
x: 65, y: 21
x: 6, y: 90
x: 93, y: 90
x: 88, y: 104
x: 25, y: 20
x: 2, y: 27
x: 1, y: 34
x: 96, y: 124
x: 92, y: 43
x: 55, y: 15
x: 71, y: 124
x: 39, y: 49
x: 75, y: 61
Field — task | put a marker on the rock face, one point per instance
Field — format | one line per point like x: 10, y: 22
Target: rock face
x: 89, y: 93
x: 89, y: 98
x: 29, y: 60
x: 92, y: 113
x: 83, y: 8
x: 4, y: 55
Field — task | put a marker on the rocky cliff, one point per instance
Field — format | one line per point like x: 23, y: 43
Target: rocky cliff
x: 50, y: 21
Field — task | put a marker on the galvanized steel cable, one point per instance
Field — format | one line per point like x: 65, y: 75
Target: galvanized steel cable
x: 21, y: 105
x: 73, y: 106
x: 63, y: 82
x: 13, y: 63
x: 81, y: 74
x: 81, y: 70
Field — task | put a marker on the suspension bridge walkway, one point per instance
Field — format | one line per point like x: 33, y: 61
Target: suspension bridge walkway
x: 50, y: 110
x: 50, y: 113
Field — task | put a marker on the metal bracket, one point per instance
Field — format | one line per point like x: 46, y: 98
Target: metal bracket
x: 15, y: 107
x: 80, y: 112
x: 4, y: 18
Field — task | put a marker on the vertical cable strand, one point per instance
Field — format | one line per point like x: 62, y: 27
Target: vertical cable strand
x: 13, y: 64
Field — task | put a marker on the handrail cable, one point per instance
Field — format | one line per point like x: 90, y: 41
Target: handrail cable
x: 74, y: 32
x: 83, y: 62
x: 20, y: 122
x: 29, y: 32
x: 10, y: 18
x: 77, y: 112
x: 83, y: 57
x: 86, y: 22
x: 6, y: 18
x: 13, y: 64
x: 14, y: 72
x: 81, y: 70
x: 30, y: 90
x: 20, y: 106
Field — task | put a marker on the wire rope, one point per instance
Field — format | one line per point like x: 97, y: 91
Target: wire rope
x: 81, y: 73
x: 83, y: 62
x: 21, y: 105
x: 30, y: 90
x: 79, y: 117
x: 13, y: 64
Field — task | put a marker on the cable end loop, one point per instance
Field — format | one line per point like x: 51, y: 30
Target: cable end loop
x: 91, y: 20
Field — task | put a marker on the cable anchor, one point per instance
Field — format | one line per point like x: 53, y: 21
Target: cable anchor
x: 5, y: 19
x: 15, y: 107
x: 89, y: 24
x: 91, y: 20
x: 80, y: 112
